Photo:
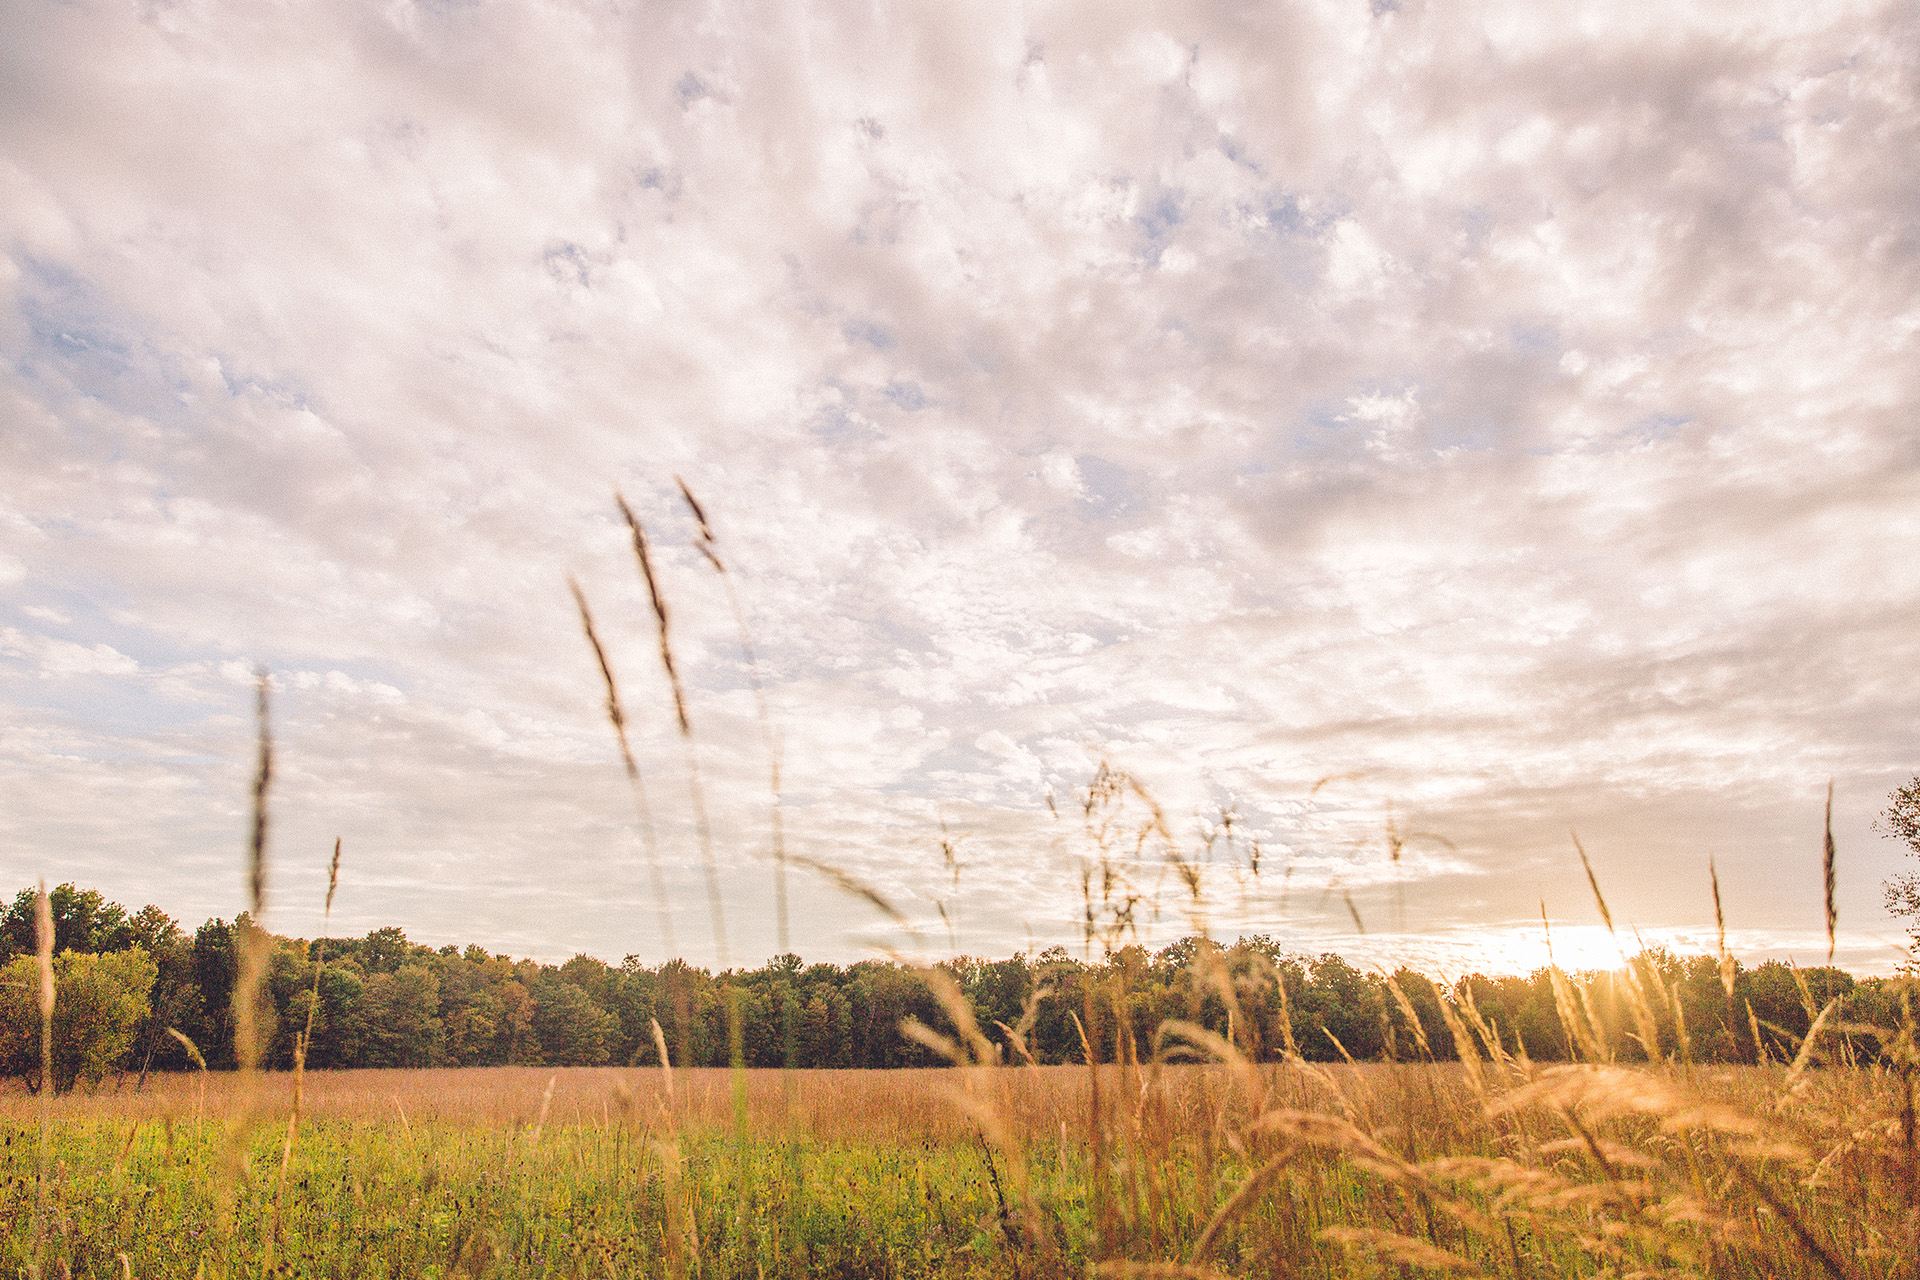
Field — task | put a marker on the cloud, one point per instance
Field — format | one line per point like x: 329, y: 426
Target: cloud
x: 53, y: 658
x: 1509, y: 420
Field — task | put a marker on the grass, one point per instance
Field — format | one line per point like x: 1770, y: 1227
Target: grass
x: 1286, y: 1169
x: 380, y: 1199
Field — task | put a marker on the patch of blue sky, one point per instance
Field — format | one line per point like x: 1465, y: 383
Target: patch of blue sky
x: 1455, y: 435
x: 1541, y: 338
x: 284, y: 393
x: 653, y: 177
x: 1285, y: 215
x: 690, y: 89
x: 1160, y: 216
x: 958, y: 760
x: 1477, y: 223
x: 836, y: 426
x: 1322, y: 417
x: 906, y: 396
x: 96, y: 612
x: 869, y: 333
x: 1331, y: 427
x: 90, y: 614
x: 1111, y: 490
x: 568, y: 263
x: 1297, y: 237
x: 912, y: 783
x: 114, y: 708
x: 1659, y: 426
x: 93, y: 617
x: 1101, y: 632
x: 980, y: 352
x: 81, y: 344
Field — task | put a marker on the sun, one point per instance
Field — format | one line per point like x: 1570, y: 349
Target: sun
x: 1522, y: 948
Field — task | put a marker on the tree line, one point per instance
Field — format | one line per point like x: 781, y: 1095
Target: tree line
x: 126, y: 980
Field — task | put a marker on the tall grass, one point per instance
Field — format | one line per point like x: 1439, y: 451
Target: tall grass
x: 1150, y: 1168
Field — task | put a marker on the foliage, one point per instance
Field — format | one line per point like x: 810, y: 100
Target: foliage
x: 99, y: 1003
x: 83, y: 920
x: 1901, y: 821
x: 384, y: 1001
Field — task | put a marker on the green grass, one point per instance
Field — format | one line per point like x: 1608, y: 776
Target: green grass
x: 383, y: 1199
x: 1386, y: 1170
x: 370, y: 1199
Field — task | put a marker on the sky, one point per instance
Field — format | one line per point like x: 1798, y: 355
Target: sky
x: 1394, y: 438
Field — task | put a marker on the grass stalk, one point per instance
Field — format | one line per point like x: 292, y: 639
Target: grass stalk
x: 636, y: 785
x: 43, y: 950
x: 304, y: 1040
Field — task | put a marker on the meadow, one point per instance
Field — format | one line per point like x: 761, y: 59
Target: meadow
x: 1489, y: 1166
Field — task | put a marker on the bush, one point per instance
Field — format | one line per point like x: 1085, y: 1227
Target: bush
x: 99, y: 1001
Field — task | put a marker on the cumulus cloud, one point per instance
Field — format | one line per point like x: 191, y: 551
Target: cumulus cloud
x: 1441, y: 421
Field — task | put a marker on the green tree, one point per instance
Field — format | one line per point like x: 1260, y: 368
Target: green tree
x: 99, y: 1001
x: 385, y: 950
x: 1900, y: 820
x: 400, y: 1013
x: 519, y: 1045
x: 173, y: 995
x: 573, y: 1030
x: 1344, y: 1005
x: 83, y: 920
x: 215, y: 967
x: 339, y: 1027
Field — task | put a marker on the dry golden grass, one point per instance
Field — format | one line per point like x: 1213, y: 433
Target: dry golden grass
x: 1425, y: 1107
x: 910, y: 1106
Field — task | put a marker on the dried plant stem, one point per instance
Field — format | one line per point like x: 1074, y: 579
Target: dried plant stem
x: 1827, y: 874
x: 43, y: 932
x: 254, y: 952
x: 703, y: 829
x: 1803, y: 1235
x: 546, y: 1103
x: 252, y: 944
x: 1247, y: 1192
x: 304, y: 1040
x: 1727, y: 968
x: 642, y: 811
x: 709, y: 548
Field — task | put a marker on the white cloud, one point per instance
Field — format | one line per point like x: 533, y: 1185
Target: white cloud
x: 53, y: 657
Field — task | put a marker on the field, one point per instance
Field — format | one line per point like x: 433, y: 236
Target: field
x: 1492, y: 1166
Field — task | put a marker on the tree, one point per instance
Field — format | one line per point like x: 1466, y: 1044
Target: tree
x: 83, y: 920
x: 385, y: 950
x: 399, y: 1009
x: 1901, y: 821
x: 98, y: 1002
x: 215, y: 966
x: 173, y: 996
x: 573, y: 1030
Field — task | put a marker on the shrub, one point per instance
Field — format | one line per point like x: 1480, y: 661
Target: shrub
x: 99, y: 1001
